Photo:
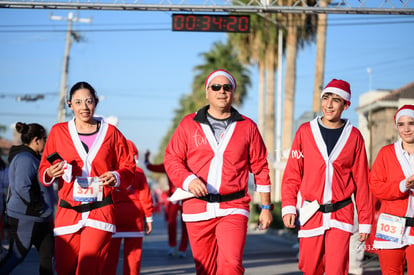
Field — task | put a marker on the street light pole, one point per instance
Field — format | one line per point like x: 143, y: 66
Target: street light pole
x: 65, y: 71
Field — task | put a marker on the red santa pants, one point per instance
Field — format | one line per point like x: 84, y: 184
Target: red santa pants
x: 132, y: 256
x: 83, y: 252
x: 327, y: 253
x: 217, y: 245
x: 392, y: 261
x: 172, y: 213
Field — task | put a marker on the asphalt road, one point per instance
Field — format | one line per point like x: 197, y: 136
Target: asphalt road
x: 266, y: 253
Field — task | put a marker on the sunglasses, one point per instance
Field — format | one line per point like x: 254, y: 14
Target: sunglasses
x: 226, y: 87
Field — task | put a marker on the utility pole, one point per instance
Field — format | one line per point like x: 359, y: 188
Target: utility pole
x: 277, y: 163
x: 69, y: 35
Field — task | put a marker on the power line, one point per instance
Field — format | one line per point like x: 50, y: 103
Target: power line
x: 146, y: 118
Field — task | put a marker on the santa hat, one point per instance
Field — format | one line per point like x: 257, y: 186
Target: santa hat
x: 222, y: 73
x: 406, y: 110
x: 339, y: 87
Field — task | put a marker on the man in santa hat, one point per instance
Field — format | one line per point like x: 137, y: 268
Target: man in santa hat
x: 392, y: 181
x: 210, y: 156
x: 327, y: 165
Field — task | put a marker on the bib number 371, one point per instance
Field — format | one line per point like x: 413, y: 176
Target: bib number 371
x: 87, y: 189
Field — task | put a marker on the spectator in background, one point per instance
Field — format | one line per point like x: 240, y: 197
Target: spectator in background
x: 94, y: 159
x: 327, y: 164
x: 392, y: 181
x: 4, y: 183
x: 356, y: 248
x: 210, y: 156
x: 30, y: 204
x: 133, y: 204
x: 172, y: 211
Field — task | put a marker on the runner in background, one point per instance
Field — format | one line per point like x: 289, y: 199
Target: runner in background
x: 173, y: 210
x: 133, y: 211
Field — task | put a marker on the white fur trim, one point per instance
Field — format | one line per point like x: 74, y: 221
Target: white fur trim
x: 344, y: 94
x: 262, y: 188
x: 288, y: 210
x: 187, y: 181
x: 365, y: 228
x: 222, y: 73
x: 404, y: 112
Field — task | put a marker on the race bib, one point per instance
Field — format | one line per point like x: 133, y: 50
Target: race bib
x: 87, y: 189
x: 390, y: 228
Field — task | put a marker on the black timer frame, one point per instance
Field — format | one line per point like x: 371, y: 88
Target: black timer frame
x: 211, y: 23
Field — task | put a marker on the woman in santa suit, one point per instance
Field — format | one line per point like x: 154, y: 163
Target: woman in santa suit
x: 392, y: 181
x: 93, y: 160
x: 132, y: 202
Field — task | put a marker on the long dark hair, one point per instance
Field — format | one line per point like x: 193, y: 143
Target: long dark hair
x: 30, y: 131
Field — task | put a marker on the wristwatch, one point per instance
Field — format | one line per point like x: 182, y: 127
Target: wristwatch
x: 268, y: 206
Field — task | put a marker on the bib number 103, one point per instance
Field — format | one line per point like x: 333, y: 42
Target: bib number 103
x: 390, y: 228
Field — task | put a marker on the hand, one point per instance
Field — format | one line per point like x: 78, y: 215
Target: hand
x: 410, y: 182
x: 56, y: 170
x: 289, y: 220
x: 363, y: 237
x: 146, y: 156
x: 198, y: 188
x: 148, y: 228
x: 265, y: 219
x: 107, y: 178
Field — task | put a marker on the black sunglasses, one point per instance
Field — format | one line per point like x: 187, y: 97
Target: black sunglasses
x: 226, y: 87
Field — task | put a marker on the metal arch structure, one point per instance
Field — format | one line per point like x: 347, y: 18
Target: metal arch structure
x: 391, y: 7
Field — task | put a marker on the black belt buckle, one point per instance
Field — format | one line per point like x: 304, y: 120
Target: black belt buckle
x: 213, y: 198
x: 329, y: 208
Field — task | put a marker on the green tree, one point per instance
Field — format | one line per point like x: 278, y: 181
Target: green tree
x: 260, y: 47
x: 221, y: 56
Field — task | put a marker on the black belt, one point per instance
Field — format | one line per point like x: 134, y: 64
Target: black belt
x: 222, y: 198
x: 409, y: 221
x: 332, y: 207
x: 87, y: 206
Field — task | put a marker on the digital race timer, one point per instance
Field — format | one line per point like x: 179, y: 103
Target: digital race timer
x: 211, y: 23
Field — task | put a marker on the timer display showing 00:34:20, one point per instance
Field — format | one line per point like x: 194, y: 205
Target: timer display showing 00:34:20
x: 211, y: 23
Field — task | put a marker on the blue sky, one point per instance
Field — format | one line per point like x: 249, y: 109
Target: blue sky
x: 141, y: 72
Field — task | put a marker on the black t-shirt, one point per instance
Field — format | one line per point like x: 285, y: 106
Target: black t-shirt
x: 330, y: 135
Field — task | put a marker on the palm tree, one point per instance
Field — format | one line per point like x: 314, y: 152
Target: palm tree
x: 263, y: 39
x: 320, y: 57
x: 251, y: 51
x: 260, y: 47
x: 301, y: 29
x: 221, y: 56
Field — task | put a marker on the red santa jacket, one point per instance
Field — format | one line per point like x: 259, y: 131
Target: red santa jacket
x: 328, y: 179
x: 109, y: 152
x: 132, y: 202
x: 193, y: 152
x: 388, y: 171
